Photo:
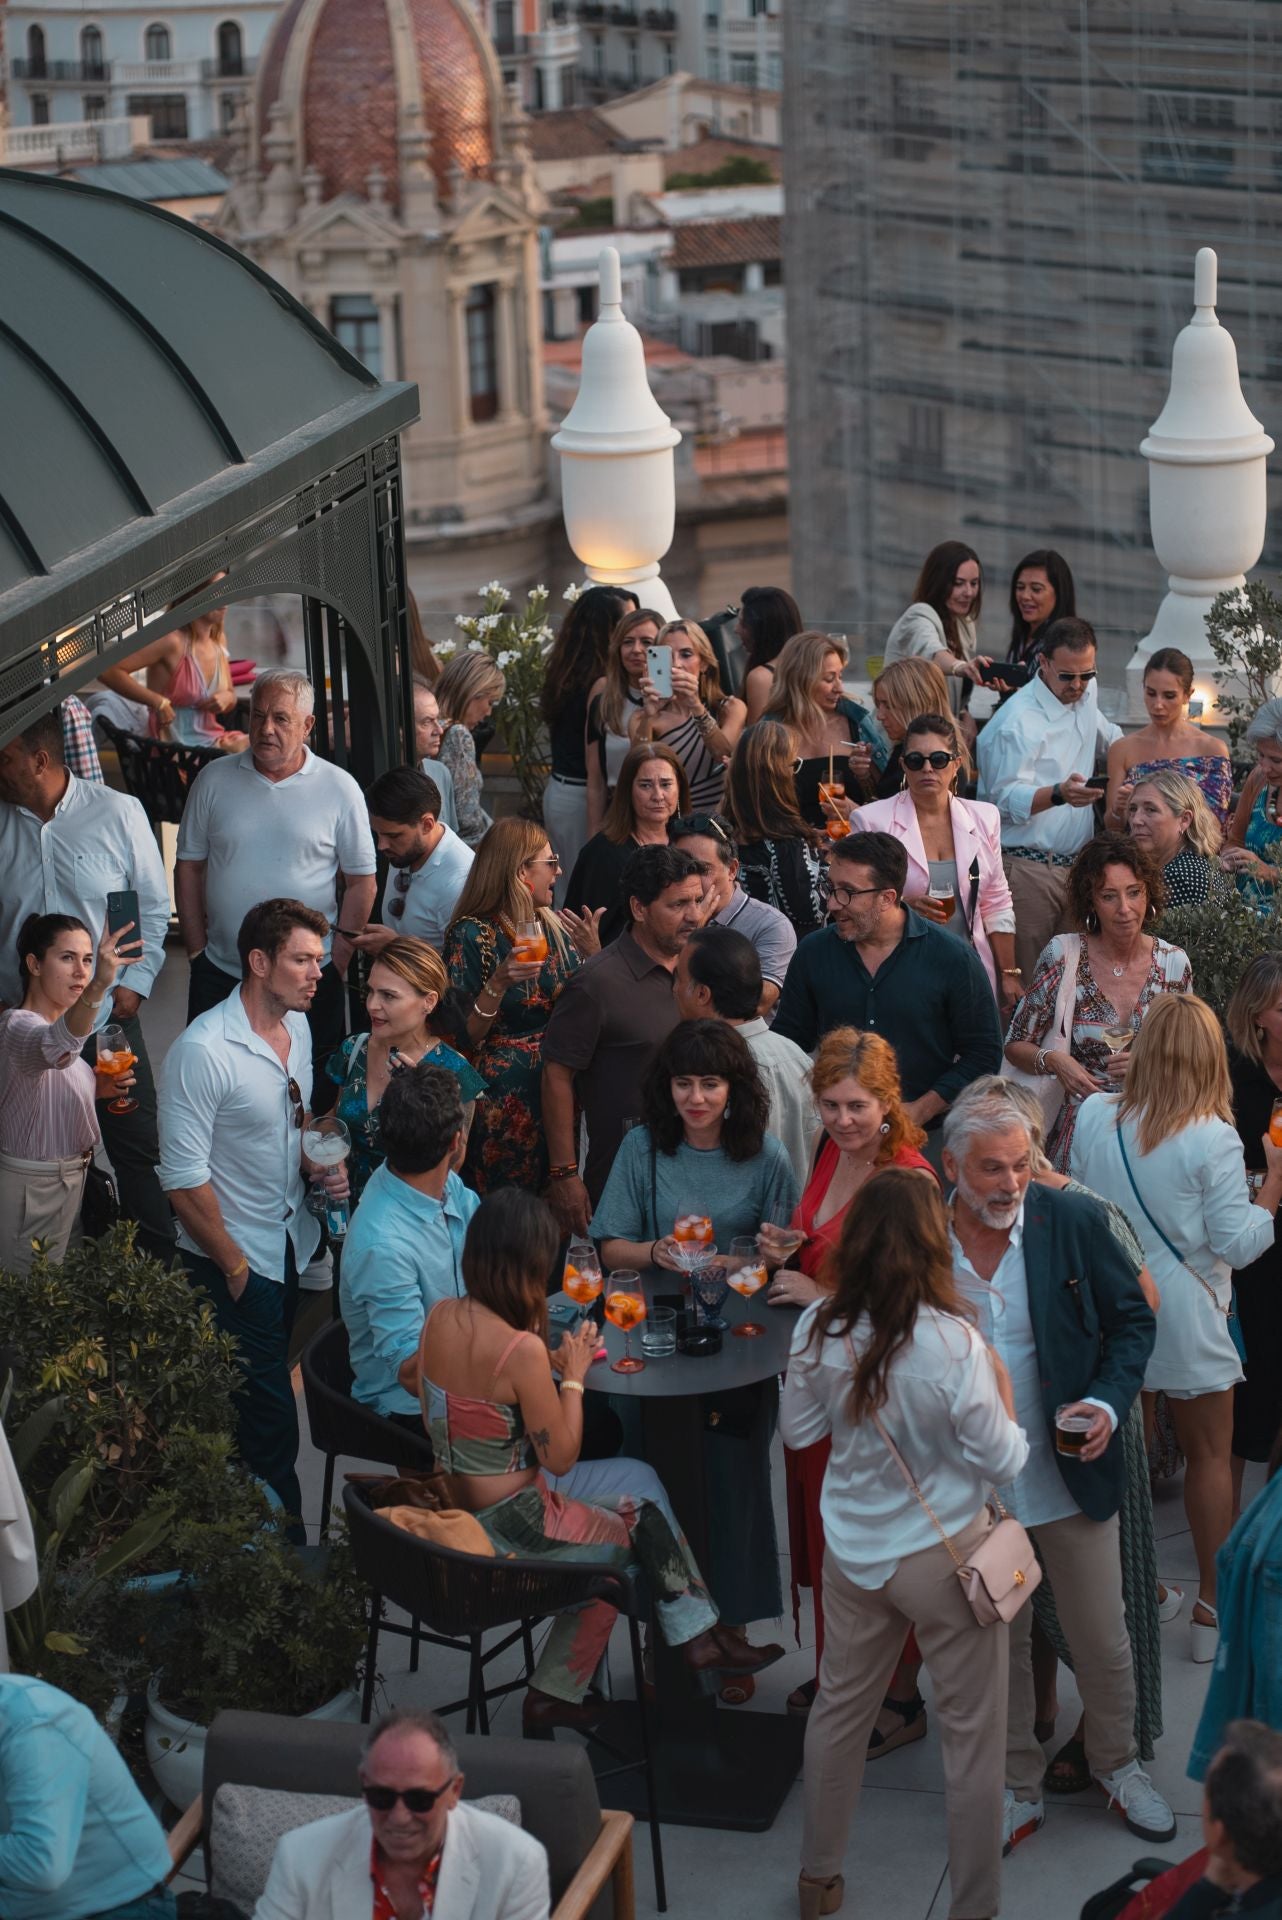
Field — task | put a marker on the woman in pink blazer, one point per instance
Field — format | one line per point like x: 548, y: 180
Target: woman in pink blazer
x: 954, y: 848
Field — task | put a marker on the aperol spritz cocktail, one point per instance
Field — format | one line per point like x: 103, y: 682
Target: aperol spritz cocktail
x: 747, y: 1275
x: 625, y: 1309
x: 115, y: 1058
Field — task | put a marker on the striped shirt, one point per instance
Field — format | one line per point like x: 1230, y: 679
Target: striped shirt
x: 46, y: 1089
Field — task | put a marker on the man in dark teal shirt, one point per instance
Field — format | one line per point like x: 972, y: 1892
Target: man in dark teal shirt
x: 880, y: 968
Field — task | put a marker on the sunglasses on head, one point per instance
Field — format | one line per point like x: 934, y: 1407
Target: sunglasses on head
x: 417, y: 1799
x: 936, y: 761
x: 296, y: 1095
x: 688, y: 825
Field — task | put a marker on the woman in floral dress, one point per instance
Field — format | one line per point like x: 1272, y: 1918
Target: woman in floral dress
x: 509, y: 1000
x: 1115, y: 891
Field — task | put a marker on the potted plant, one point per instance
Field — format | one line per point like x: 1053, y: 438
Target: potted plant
x: 1244, y: 628
x: 518, y: 640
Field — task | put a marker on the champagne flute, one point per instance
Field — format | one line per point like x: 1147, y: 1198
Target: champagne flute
x: 625, y: 1309
x: 115, y: 1057
x: 747, y: 1275
x: 530, y: 946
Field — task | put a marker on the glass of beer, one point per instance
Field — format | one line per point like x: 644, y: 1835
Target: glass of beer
x: 115, y: 1057
x: 747, y: 1275
x: 530, y: 947
x: 625, y: 1309
x: 945, y: 898
x: 1071, y: 1428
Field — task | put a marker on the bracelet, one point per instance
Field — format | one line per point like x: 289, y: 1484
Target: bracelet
x: 85, y: 1001
x: 1040, y: 1065
x: 705, y: 722
x: 242, y: 1266
x: 1018, y: 971
x: 481, y: 1013
x: 349, y: 936
x: 652, y: 1262
x: 567, y: 1171
x: 572, y: 1386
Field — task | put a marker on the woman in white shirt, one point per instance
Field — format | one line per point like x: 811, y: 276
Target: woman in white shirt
x: 1166, y: 1150
x: 893, y: 1343
x: 939, y: 626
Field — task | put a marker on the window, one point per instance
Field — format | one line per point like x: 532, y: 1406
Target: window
x: 231, y: 52
x: 482, y: 352
x: 353, y: 321
x: 91, y: 53
x: 756, y: 7
x: 36, y: 56
x: 39, y: 109
x: 168, y: 113
x: 156, y: 43
x: 540, y: 91
x: 95, y: 106
x: 569, y: 86
x: 634, y: 64
x: 598, y: 55
x: 504, y: 28
x: 743, y: 69
x: 669, y: 58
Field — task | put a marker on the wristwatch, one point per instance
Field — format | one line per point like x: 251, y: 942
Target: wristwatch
x: 1057, y: 795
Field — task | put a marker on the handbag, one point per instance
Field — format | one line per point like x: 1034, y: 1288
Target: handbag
x: 1229, y: 1312
x: 99, y: 1203
x: 1046, y: 1088
x: 1002, y: 1571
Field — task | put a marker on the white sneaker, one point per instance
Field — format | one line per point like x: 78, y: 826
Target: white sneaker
x: 1168, y: 1608
x: 1138, y: 1801
x: 1019, y: 1819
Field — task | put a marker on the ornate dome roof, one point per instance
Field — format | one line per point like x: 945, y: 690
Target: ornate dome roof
x: 356, y: 77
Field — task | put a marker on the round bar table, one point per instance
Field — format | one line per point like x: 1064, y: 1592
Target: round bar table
x: 715, y: 1766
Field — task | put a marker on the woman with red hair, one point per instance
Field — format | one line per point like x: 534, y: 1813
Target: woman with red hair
x: 855, y: 1079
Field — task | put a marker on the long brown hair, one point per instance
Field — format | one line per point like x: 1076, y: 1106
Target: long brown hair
x: 494, y: 891
x: 621, y: 820
x: 508, y: 1252
x: 761, y: 787
x: 935, y: 583
x: 798, y: 666
x: 614, y: 695
x: 894, y: 1258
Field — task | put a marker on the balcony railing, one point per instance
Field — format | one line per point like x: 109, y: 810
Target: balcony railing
x: 159, y: 73
x: 69, y: 72
x: 660, y: 19
x: 67, y: 140
x: 238, y: 67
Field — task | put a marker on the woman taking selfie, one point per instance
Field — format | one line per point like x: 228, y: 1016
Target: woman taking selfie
x: 484, y: 1379
x: 614, y: 701
x: 892, y: 1349
x: 48, y: 1126
x: 696, y: 721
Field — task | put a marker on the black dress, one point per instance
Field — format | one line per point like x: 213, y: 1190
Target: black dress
x: 785, y: 875
x: 597, y: 881
x: 811, y: 772
x: 1257, y: 1402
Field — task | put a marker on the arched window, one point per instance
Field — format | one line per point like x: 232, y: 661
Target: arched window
x: 91, y: 52
x: 230, y: 50
x: 156, y: 43
x: 35, y: 53
x: 482, y: 352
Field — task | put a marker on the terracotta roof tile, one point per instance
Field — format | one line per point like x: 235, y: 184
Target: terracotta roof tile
x: 726, y: 243
x: 572, y: 133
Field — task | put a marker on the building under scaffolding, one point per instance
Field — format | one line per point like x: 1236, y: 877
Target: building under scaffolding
x: 993, y: 207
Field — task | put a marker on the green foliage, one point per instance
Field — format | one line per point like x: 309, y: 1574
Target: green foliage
x: 1220, y: 943
x: 597, y: 212
x: 518, y: 641
x: 125, y: 1353
x: 1244, y: 628
x: 740, y: 170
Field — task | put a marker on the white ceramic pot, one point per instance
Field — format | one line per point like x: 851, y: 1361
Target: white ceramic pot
x: 176, y: 1746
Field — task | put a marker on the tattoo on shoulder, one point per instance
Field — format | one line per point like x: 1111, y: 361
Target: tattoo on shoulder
x: 542, y: 1439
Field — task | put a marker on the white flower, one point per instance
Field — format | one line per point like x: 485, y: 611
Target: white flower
x: 488, y: 622
x: 444, y: 649
x: 476, y: 646
x: 571, y: 593
x: 536, y: 591
x: 464, y: 620
x: 495, y: 586
x: 505, y: 659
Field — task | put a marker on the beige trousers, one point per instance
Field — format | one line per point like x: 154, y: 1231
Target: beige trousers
x: 1083, y: 1561
x: 1039, y: 894
x: 864, y: 1632
x: 39, y: 1200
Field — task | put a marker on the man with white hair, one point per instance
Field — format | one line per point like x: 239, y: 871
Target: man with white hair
x: 274, y: 822
x: 415, y: 1847
x: 1060, y: 1302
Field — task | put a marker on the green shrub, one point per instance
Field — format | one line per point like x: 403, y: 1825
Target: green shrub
x: 1244, y: 628
x: 1220, y: 943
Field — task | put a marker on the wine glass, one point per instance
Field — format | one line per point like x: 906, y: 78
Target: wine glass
x: 529, y: 945
x: 747, y: 1275
x: 582, y: 1278
x: 327, y: 1143
x: 1117, y: 1036
x: 115, y: 1057
x: 625, y: 1309
x: 783, y: 1242
x: 692, y: 1246
x: 710, y: 1288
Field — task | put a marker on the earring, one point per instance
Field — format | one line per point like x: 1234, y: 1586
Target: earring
x: 1092, y: 922
x: 884, y: 1127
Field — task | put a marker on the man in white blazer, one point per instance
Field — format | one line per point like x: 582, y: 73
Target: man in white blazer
x: 413, y: 1850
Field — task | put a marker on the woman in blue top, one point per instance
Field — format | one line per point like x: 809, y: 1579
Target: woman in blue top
x: 1256, y: 825
x: 406, y: 983
x: 703, y: 1148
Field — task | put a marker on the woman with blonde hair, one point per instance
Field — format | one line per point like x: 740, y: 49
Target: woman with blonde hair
x: 698, y: 722
x: 808, y: 697
x: 613, y: 702
x: 780, y: 854
x: 1166, y: 1151
x: 855, y: 1081
x: 407, y: 982
x: 509, y: 999
x: 1254, y: 1021
x: 469, y: 689
x: 900, y: 692
x: 1169, y: 816
x: 188, y: 683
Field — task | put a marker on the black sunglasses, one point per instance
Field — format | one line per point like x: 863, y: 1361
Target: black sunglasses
x: 686, y: 825
x: 296, y: 1095
x: 417, y: 1799
x: 401, y: 879
x: 1064, y: 678
x: 936, y: 761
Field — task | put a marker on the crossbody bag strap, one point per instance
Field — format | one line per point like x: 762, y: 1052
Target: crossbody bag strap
x: 972, y: 904
x: 1165, y: 1238
x: 906, y: 1470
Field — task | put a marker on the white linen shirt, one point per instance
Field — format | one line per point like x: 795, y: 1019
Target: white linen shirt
x: 96, y: 842
x: 785, y: 1075
x: 270, y: 839
x: 1036, y: 741
x: 432, y: 892
x: 943, y: 1412
x: 226, y: 1117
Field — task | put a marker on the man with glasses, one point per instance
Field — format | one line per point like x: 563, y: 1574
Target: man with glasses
x: 1036, y: 755
x: 234, y: 1092
x: 416, y: 1847
x: 707, y: 839
x: 428, y: 862
x: 879, y: 967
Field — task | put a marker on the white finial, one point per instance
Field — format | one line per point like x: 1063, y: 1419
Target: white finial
x: 1205, y: 270
x: 610, y: 277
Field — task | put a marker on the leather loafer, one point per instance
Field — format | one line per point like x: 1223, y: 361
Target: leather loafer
x: 718, y: 1651
x: 542, y: 1712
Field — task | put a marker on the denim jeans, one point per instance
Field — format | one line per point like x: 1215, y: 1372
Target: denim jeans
x: 266, y: 1413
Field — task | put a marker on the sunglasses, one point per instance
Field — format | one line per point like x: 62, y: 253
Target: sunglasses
x: 1065, y: 678
x: 417, y: 1799
x: 401, y: 879
x: 295, y: 1094
x: 936, y: 761
x: 844, y: 896
x: 687, y: 825
x: 546, y: 860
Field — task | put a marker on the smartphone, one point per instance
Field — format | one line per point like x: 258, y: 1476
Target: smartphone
x: 658, y: 664
x: 1013, y: 673
x: 122, y: 908
x: 1098, y: 783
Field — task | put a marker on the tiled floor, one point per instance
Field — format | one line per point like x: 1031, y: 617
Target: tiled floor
x: 896, y: 1864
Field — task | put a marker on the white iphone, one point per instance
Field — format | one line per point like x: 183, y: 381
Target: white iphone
x: 658, y: 662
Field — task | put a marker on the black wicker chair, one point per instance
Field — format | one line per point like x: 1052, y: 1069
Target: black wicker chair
x: 341, y: 1425
x: 454, y: 1599
x: 157, y: 772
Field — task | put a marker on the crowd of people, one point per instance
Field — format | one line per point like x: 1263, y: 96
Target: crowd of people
x: 877, y: 984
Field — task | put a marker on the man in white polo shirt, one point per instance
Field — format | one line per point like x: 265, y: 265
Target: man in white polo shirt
x: 234, y: 1091
x: 428, y: 862
x: 274, y: 821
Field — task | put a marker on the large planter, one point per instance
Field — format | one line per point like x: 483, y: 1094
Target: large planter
x: 176, y: 1746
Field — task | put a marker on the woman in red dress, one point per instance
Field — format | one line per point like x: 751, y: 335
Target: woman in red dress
x: 855, y: 1079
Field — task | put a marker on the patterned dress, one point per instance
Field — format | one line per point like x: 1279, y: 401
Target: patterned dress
x: 1212, y: 772
x: 1169, y: 972
x: 506, y: 1147
x: 1262, y: 833
x: 348, y: 1069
